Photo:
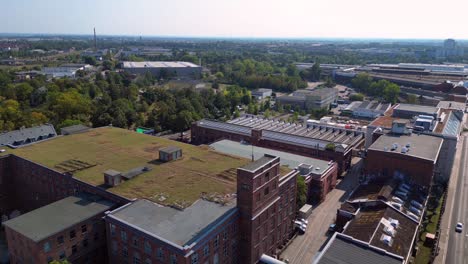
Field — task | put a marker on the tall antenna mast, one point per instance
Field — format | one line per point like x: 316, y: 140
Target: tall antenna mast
x: 95, y: 41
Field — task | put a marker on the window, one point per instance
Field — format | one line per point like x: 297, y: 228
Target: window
x: 267, y: 176
x: 136, y: 258
x: 216, y: 241
x: 225, y: 249
x: 49, y: 259
x: 173, y: 259
x: 96, y: 236
x: 46, y: 247
x: 62, y: 255
x: 195, y: 258
x: 60, y: 240
x: 84, y: 228
x: 266, y: 191
x: 147, y: 261
x: 112, y: 229
x: 147, y: 247
x: 160, y: 254
x: 225, y: 234
x: 125, y: 252
x: 206, y: 250
x: 135, y: 241
x: 72, y: 234
x: 245, y: 187
x: 123, y: 236
x: 216, y: 259
x: 114, y: 247
x: 85, y: 242
x: 74, y: 249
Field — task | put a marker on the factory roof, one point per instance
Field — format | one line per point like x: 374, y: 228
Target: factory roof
x: 452, y: 105
x: 179, y: 227
x: 343, y: 249
x: 420, y: 146
x: 158, y: 64
x: 286, y: 159
x: 257, y: 164
x: 180, y: 182
x: 58, y: 216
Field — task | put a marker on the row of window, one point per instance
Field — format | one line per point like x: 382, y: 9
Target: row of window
x: 72, y: 234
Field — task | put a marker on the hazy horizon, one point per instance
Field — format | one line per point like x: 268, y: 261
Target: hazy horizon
x: 296, y: 19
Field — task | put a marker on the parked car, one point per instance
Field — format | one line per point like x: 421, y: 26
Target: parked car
x: 402, y: 195
x: 413, y: 216
x: 397, y: 200
x: 415, y: 210
x: 417, y: 205
x: 304, y: 221
x: 396, y: 205
x: 300, y: 226
x: 459, y: 227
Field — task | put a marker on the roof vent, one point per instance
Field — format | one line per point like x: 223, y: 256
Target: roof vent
x: 404, y: 150
x: 408, y: 145
x: 388, y: 240
x: 389, y: 230
x: 394, y: 146
x: 394, y: 222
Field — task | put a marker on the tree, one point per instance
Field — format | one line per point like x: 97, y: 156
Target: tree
x: 362, y: 82
x: 356, y: 97
x: 89, y: 60
x: 301, y: 195
x: 70, y: 104
x: 391, y: 93
x: 108, y: 65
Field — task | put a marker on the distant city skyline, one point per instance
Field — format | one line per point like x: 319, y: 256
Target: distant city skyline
x: 397, y: 19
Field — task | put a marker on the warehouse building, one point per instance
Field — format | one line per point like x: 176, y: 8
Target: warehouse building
x: 177, y: 69
x: 319, y: 141
x: 366, y: 109
x: 310, y: 99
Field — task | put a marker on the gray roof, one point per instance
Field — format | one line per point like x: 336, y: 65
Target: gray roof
x: 58, y: 216
x: 170, y: 149
x: 27, y: 135
x: 176, y: 226
x: 343, y: 250
x: 452, y: 105
x: 421, y: 146
x: 417, y: 108
x: 287, y: 159
x: 74, y: 129
x: 255, y: 165
x: 159, y: 64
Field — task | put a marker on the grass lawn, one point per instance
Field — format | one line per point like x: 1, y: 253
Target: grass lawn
x: 424, y: 252
x: 201, y: 171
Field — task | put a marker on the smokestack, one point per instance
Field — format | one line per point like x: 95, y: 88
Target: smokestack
x: 95, y: 41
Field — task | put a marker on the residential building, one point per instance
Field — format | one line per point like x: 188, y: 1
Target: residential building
x: 71, y: 228
x: 179, y: 69
x: 24, y: 136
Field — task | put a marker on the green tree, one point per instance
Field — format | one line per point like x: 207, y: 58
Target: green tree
x: 391, y: 93
x: 356, y: 97
x: 301, y: 194
x: 90, y: 60
x: 362, y: 82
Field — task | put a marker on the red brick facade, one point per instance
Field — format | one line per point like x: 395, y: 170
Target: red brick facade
x: 319, y: 186
x: 267, y: 204
x: 82, y: 243
x: 384, y: 164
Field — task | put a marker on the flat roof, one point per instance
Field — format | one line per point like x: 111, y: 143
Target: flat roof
x: 417, y: 108
x: 368, y: 226
x: 255, y: 165
x: 421, y: 146
x: 159, y: 64
x: 180, y: 182
x: 341, y: 250
x: 55, y: 217
x: 287, y: 159
x: 452, y: 105
x: 181, y: 227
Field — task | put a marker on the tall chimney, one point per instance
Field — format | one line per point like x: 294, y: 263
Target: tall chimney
x: 95, y: 41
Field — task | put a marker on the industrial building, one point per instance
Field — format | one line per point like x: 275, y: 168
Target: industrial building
x: 320, y: 176
x: 162, y: 201
x: 321, y: 141
x: 310, y: 99
x: 261, y: 93
x: 178, y: 69
x: 25, y: 136
x: 366, y: 109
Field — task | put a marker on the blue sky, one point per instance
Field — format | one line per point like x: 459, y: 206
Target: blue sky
x: 240, y: 18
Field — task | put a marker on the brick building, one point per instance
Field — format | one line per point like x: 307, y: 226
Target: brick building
x: 182, y: 211
x: 71, y: 229
x: 319, y: 141
x: 267, y: 205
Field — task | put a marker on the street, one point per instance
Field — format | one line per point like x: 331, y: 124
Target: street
x: 305, y: 247
x: 457, y: 250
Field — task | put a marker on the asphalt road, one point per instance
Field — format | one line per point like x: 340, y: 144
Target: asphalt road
x: 457, y: 250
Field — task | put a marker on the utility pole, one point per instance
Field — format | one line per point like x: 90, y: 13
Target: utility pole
x: 95, y: 40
